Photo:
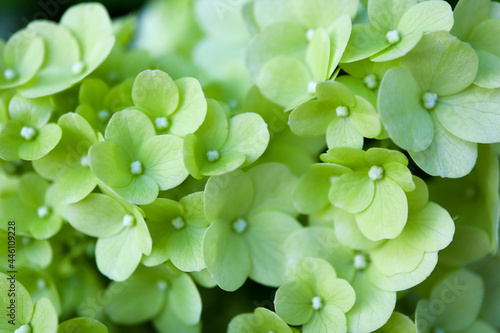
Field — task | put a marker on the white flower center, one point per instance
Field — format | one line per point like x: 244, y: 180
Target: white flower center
x: 359, y: 261
x: 309, y: 34
x: 128, y: 220
x: 393, y: 37
x: 161, y: 285
x: 28, y: 132
x: 213, y: 155
x: 136, y: 168
x: 77, y: 67
x: 23, y: 329
x: 161, y: 123
x: 240, y: 225
x: 40, y: 283
x: 84, y: 161
x: 317, y: 303
x: 342, y: 111
x: 42, y: 211
x: 103, y: 114
x: 178, y: 223
x: 376, y: 173
x: 429, y: 100
x: 9, y: 74
x: 311, y: 87
x: 371, y: 81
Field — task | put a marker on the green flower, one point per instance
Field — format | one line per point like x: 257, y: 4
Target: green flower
x: 162, y: 294
x: 34, y: 207
x: 251, y: 215
x: 40, y: 317
x: 344, y: 117
x: 174, y: 107
x: 81, y: 325
x: 373, y: 189
x: 133, y: 162
x: 27, y: 135
x: 396, y: 27
x: 434, y: 112
x: 177, y: 229
x: 73, y: 48
x: 315, y: 298
x: 121, y: 231
x: 261, y: 320
x: 221, y: 145
x: 68, y: 163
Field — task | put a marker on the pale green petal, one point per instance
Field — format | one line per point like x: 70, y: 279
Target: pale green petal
x: 333, y: 94
x: 192, y: 107
x: 30, y: 112
x: 168, y: 322
x: 142, y: 190
x: 398, y: 323
x: 44, y: 316
x: 293, y: 302
x: 447, y: 156
x: 184, y: 249
x: 47, y: 138
x: 75, y: 185
x: 387, y: 214
x: 84, y: 324
x: 348, y: 233
x: 386, y: 14
x: 318, y: 54
x: 262, y: 320
x: 155, y: 93
x: 46, y: 227
x: 353, y: 192
x: 310, y: 194
x: 365, y: 119
x: 396, y: 256
x: 194, y: 154
x: 118, y: 257
x: 430, y: 229
x: 311, y: 118
x: 469, y: 244
x: 284, y: 80
x: 472, y: 115
x: 480, y: 326
x: 248, y: 134
x: 226, y: 163
x: 341, y: 133
x: 339, y: 293
x: 215, y: 128
x: 467, y: 14
x: 488, y: 74
x: 161, y: 156
x: 129, y: 129
x: 373, y: 306
x: 266, y: 235
x: 267, y: 12
x: 316, y: 13
x: 484, y: 39
x: 226, y: 255
x: 402, y: 114
x: 110, y: 164
x: 339, y: 32
x: 184, y: 299
x: 32, y: 189
x: 11, y: 140
x: 228, y: 196
x: 365, y: 41
x: 418, y: 199
x: 400, y: 174
x: 330, y: 319
x: 449, y: 70
x: 24, y: 304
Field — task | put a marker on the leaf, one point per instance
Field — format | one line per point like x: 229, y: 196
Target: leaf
x: 265, y: 237
x: 402, y: 114
x: 61, y: 53
x: 118, y: 256
x: 161, y: 156
x: 228, y: 196
x: 24, y: 53
x: 44, y: 316
x: 447, y: 156
x: 184, y: 299
x: 129, y: 129
x: 155, y: 93
x: 373, y: 306
x: 284, y: 80
x: 226, y: 255
x: 293, y: 302
x: 46, y: 139
x: 353, y: 192
x: 430, y: 229
x: 110, y: 164
x: 450, y: 69
x: 389, y: 209
x: 248, y: 134
x: 84, y: 324
x: 192, y: 107
x: 472, y: 115
x: 91, y: 25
